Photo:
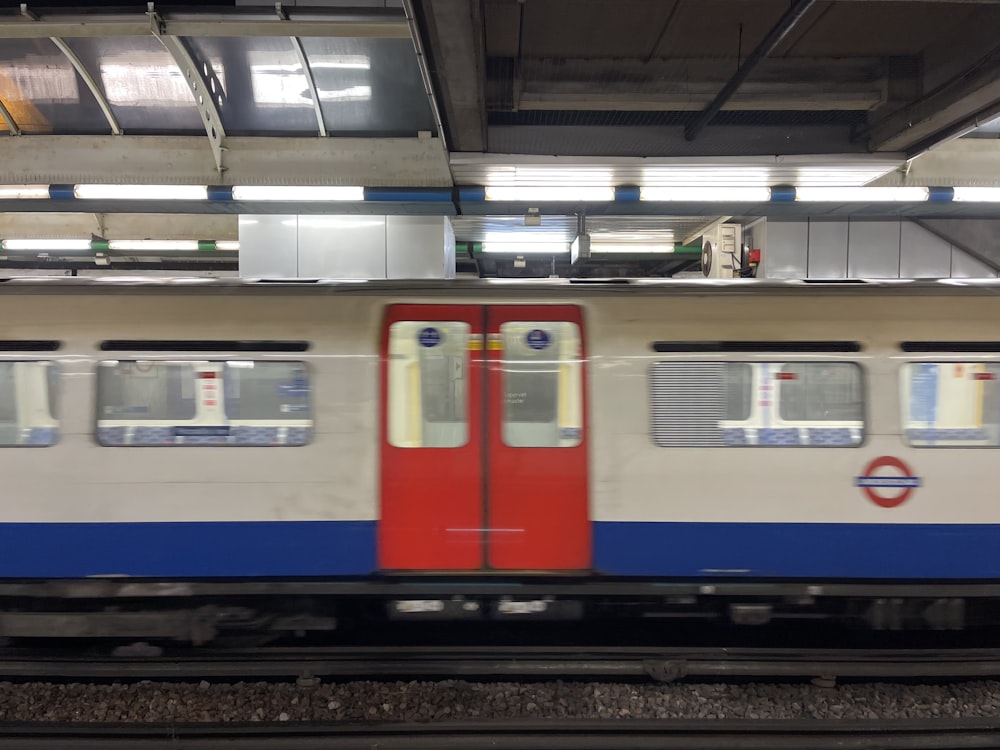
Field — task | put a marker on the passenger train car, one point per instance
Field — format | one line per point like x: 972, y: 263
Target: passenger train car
x: 184, y: 459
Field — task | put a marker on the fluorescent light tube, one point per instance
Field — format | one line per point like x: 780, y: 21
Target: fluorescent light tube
x: 972, y: 194
x: 629, y: 247
x: 526, y: 248
x: 142, y: 192
x: 24, y: 191
x: 860, y: 194
x: 540, y: 194
x: 298, y: 193
x: 227, y: 245
x: 707, y: 194
x: 153, y: 245
x: 46, y: 244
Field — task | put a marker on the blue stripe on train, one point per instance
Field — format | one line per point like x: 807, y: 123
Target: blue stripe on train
x: 797, y: 550
x: 347, y: 548
x: 187, y: 550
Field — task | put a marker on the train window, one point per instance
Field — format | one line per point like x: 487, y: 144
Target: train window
x: 951, y: 404
x: 820, y: 392
x: 767, y: 404
x: 204, y: 403
x: 542, y: 384
x: 428, y: 384
x: 27, y: 404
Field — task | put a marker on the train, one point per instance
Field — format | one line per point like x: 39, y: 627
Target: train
x: 186, y: 459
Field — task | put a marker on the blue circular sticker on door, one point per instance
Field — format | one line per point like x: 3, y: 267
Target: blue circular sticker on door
x: 538, y: 339
x: 429, y: 336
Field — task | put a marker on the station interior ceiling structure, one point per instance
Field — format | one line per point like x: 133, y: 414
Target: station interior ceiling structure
x: 426, y: 106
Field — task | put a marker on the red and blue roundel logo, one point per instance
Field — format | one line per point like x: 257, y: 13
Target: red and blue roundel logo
x: 538, y: 339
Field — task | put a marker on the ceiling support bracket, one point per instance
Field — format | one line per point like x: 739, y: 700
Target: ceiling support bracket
x: 311, y: 82
x: 300, y: 53
x: 197, y: 79
x: 9, y: 119
x: 81, y: 70
x: 767, y: 45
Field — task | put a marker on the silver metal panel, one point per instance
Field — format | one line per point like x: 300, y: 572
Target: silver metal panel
x: 419, y: 247
x: 827, y: 249
x: 922, y: 255
x: 873, y: 250
x: 369, y: 86
x: 141, y: 82
x: 268, y: 246
x: 787, y: 249
x: 964, y: 266
x: 342, y: 247
x: 43, y: 93
x: 265, y: 85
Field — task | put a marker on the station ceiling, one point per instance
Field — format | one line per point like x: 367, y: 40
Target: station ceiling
x: 445, y: 93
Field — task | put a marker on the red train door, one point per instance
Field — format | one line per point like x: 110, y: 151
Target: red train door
x: 483, y: 460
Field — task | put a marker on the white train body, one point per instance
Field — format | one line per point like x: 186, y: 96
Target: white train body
x: 899, y: 494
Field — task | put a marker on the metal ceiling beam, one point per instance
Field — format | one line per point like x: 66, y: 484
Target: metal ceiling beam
x: 970, y: 98
x: 204, y: 95
x: 770, y: 41
x: 456, y: 47
x: 389, y: 27
x: 88, y: 79
x: 425, y: 75
x: 300, y: 53
x: 311, y: 83
x: 821, y: 83
x: 9, y: 119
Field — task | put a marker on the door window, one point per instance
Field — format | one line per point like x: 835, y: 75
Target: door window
x: 428, y: 384
x: 542, y: 384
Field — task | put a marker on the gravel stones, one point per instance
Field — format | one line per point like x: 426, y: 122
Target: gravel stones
x: 471, y: 701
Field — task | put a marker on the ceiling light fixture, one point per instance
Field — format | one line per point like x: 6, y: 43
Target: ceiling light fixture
x: 298, y: 193
x: 554, y: 193
x: 861, y: 194
x: 693, y: 194
x: 523, y: 248
x: 24, y: 191
x: 153, y: 245
x: 141, y: 192
x: 45, y: 245
x: 227, y: 245
x: 977, y: 194
x: 596, y: 246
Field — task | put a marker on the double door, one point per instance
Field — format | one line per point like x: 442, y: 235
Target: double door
x: 484, y: 450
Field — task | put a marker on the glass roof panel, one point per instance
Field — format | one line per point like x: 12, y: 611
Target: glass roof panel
x: 143, y: 85
x: 266, y: 92
x: 44, y: 93
x: 369, y: 87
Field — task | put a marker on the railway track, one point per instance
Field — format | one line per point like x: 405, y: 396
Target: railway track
x: 518, y: 735
x: 662, y: 664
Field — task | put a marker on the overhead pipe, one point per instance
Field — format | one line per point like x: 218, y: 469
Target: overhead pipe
x: 780, y: 30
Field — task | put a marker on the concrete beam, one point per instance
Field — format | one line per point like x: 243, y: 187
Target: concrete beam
x: 178, y: 160
x: 689, y: 85
x: 457, y: 56
x: 961, y: 81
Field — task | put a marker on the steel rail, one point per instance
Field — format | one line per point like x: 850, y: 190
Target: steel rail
x: 589, y: 734
x: 662, y: 664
